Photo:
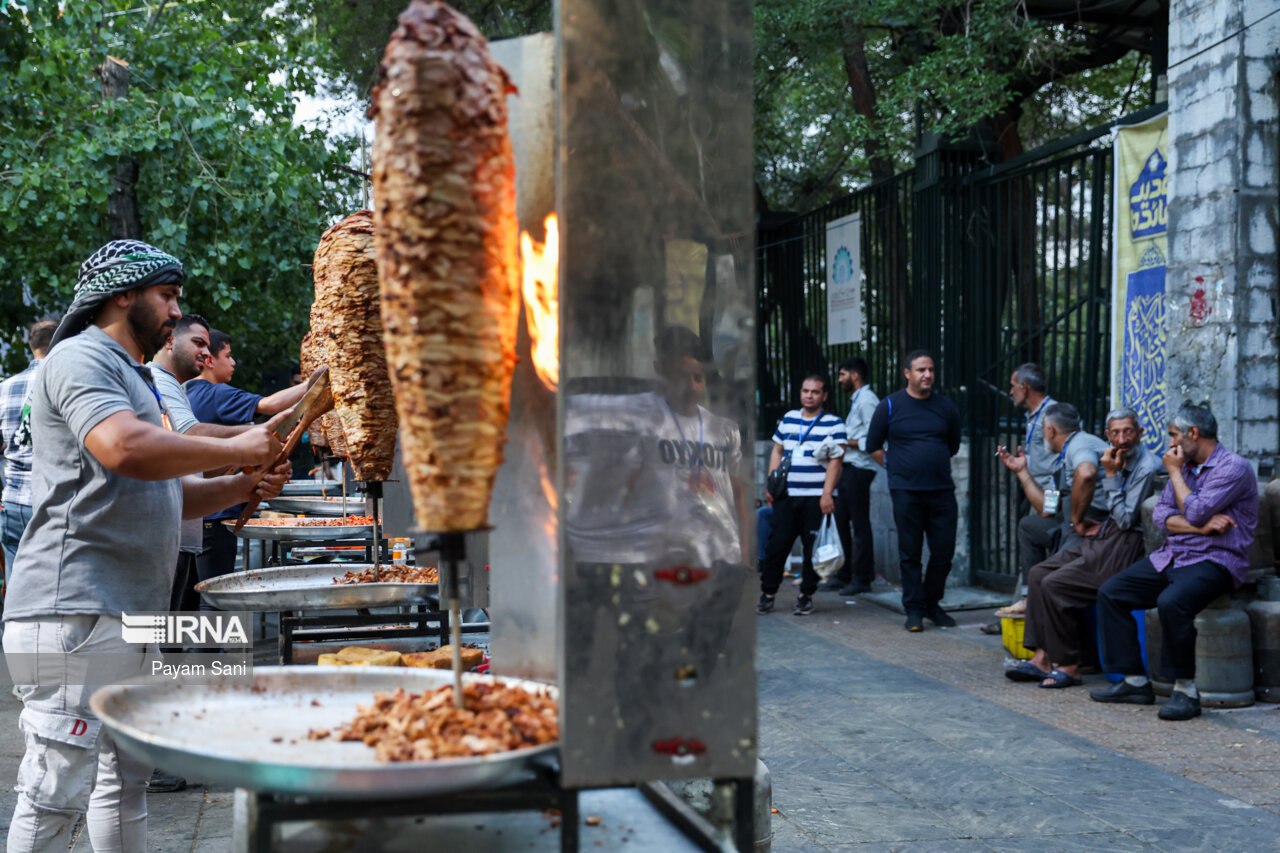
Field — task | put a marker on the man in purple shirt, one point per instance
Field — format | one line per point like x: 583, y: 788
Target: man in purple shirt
x: 1209, y: 509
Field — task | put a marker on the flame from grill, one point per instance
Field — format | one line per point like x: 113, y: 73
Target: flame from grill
x: 540, y: 286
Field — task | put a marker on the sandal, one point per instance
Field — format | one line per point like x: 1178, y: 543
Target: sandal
x: 1018, y: 608
x: 1025, y: 671
x: 1057, y: 679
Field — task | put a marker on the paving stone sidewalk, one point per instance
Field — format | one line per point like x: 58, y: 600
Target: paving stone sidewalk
x: 880, y: 740
x: 883, y: 740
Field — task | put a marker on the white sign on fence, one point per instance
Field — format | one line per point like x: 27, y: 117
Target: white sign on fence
x: 844, y: 280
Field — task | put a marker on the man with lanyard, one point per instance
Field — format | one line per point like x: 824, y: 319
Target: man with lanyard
x: 1074, y: 503
x: 1061, y: 587
x: 811, y: 489
x: 1209, y: 509
x: 15, y: 445
x: 857, y: 473
x: 921, y: 430
x: 707, y: 511
x: 110, y: 485
x: 1037, y: 535
x: 217, y: 403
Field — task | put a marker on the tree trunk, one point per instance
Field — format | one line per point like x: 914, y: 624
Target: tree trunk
x: 123, y: 221
x: 890, y: 226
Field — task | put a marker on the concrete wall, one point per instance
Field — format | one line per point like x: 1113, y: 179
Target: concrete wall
x: 886, y: 532
x: 1223, y: 65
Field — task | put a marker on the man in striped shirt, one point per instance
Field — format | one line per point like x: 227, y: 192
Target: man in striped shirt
x: 811, y: 489
x: 15, y: 445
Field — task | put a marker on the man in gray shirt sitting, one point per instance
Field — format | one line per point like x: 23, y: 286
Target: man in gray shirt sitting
x: 1038, y: 537
x: 109, y: 485
x: 1062, y: 586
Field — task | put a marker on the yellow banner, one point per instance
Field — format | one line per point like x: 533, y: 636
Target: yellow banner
x: 1139, y: 330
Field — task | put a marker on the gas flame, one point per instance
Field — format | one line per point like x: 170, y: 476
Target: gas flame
x: 541, y: 268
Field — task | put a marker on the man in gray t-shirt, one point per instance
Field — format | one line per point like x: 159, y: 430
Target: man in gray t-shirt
x: 1074, y: 500
x: 109, y: 486
x: 1037, y: 536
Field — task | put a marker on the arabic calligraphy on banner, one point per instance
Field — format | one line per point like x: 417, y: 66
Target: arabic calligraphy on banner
x: 1140, y: 326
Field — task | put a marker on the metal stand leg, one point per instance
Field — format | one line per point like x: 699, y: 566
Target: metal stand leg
x: 744, y: 813
x: 570, y: 821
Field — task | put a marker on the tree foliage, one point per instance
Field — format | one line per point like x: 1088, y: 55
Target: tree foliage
x: 355, y: 32
x: 227, y: 181
x: 957, y: 68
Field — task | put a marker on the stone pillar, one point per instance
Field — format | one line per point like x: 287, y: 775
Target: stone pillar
x: 1222, y: 283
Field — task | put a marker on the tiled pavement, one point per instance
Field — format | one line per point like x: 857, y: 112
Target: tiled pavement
x: 883, y: 740
x: 880, y: 740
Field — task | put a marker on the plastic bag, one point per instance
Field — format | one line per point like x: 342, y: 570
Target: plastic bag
x: 828, y: 556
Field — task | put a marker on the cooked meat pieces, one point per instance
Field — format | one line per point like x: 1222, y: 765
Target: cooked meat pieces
x: 344, y: 521
x: 497, y: 717
x: 447, y: 250
x: 347, y: 320
x: 392, y: 574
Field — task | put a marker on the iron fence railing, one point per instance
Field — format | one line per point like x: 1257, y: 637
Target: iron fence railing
x: 987, y: 267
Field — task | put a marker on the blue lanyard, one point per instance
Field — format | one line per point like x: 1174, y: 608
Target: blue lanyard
x: 164, y: 413
x: 1057, y: 466
x: 1035, y: 419
x: 800, y: 443
x: 696, y: 462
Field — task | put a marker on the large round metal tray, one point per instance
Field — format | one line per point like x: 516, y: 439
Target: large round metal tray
x: 299, y: 533
x: 255, y: 737
x: 310, y: 587
x: 329, y: 507
x: 314, y: 488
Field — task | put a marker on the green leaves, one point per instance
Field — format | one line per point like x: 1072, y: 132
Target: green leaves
x: 226, y: 181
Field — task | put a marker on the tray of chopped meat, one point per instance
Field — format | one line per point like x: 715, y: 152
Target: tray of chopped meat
x: 348, y: 732
x: 305, y: 529
x: 321, y: 586
x: 318, y: 506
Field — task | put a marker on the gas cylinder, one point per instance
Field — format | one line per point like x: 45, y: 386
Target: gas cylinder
x: 1224, y: 655
x: 1263, y: 554
x: 1264, y: 619
x: 1269, y: 510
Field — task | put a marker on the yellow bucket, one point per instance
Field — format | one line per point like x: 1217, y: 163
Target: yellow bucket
x: 1011, y: 628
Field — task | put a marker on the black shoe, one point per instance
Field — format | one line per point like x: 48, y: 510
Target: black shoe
x: 855, y: 588
x: 831, y: 585
x: 165, y: 783
x: 1179, y: 707
x: 765, y: 604
x: 940, y: 617
x: 915, y: 623
x: 991, y: 628
x: 1123, y: 691
x: 804, y: 606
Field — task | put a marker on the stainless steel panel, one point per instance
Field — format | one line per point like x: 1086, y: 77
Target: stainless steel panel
x: 656, y: 220
x: 307, y: 505
x: 523, y: 577
x: 295, y: 488
x: 255, y: 736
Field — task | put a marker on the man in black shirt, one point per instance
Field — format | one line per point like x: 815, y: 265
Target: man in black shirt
x: 920, y: 431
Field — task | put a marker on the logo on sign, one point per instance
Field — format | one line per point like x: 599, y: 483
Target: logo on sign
x: 192, y: 630
x: 1148, y: 197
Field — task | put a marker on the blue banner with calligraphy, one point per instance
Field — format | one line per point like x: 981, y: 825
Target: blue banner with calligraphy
x: 1139, y: 313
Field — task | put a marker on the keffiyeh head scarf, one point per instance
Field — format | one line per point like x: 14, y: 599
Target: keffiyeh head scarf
x: 118, y: 267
